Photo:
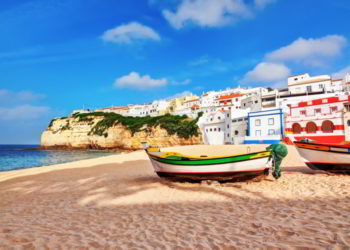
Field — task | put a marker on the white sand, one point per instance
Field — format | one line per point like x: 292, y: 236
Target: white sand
x: 118, y: 202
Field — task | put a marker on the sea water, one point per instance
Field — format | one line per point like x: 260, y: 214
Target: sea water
x: 28, y: 156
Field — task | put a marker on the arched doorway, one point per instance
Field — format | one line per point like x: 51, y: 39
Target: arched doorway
x: 327, y: 127
x: 296, y: 128
x: 311, y: 128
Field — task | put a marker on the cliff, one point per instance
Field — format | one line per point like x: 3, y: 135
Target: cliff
x: 111, y: 131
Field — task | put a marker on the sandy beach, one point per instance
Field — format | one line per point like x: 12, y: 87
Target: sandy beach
x: 119, y: 202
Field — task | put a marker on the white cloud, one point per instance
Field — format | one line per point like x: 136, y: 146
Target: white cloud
x: 207, y: 13
x: 341, y: 73
x: 135, y: 80
x: 7, y: 96
x: 184, y: 82
x: 261, y: 4
x: 266, y: 73
x: 210, y: 13
x: 311, y: 52
x: 129, y: 33
x: 200, y: 61
x: 23, y: 112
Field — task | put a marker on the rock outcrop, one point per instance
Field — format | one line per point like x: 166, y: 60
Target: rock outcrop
x: 71, y: 133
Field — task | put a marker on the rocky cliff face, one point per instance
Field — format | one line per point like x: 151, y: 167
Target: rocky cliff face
x: 72, y: 133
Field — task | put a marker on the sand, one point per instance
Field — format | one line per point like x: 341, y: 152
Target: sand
x: 118, y: 202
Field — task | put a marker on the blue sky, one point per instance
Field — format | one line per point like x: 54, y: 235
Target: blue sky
x: 60, y: 55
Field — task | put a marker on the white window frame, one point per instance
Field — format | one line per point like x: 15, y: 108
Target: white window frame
x: 257, y: 122
x: 273, y: 121
x: 257, y: 132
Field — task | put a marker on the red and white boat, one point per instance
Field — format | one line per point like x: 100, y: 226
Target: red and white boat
x: 328, y: 157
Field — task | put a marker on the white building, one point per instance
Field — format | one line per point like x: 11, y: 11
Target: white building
x: 252, y: 102
x: 213, y: 127
x: 304, y: 84
x: 207, y: 102
x: 229, y: 102
x: 191, y: 108
x: 265, y: 127
x: 238, y: 126
x: 136, y: 110
x: 121, y: 110
x: 319, y: 119
x: 159, y: 107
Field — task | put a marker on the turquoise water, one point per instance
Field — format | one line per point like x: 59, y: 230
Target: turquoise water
x: 27, y: 156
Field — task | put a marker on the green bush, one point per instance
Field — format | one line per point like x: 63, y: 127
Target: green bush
x: 51, y: 123
x: 66, y: 127
x: 173, y: 124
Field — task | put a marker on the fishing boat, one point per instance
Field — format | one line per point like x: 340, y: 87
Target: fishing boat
x: 179, y: 166
x: 322, y: 156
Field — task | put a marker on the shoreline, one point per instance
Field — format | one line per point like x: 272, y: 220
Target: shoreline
x: 118, y: 201
x: 87, y: 148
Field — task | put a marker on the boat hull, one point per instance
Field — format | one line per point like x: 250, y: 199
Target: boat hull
x: 224, y: 171
x: 325, y: 157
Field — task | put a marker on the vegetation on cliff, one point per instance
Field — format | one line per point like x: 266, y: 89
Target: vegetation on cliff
x: 173, y: 124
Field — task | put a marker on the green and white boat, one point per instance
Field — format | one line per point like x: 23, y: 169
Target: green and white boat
x: 176, y: 165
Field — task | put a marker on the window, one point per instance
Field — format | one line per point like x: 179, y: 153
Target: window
x: 246, y: 132
x: 228, y: 125
x: 219, y: 117
x: 349, y: 123
x: 271, y: 121
x: 228, y: 115
x: 240, y: 120
x: 257, y: 122
x: 296, y: 128
x: 207, y: 130
x: 271, y: 132
x: 302, y: 112
x: 246, y: 119
x: 327, y: 127
x: 311, y: 128
x: 334, y: 109
x: 236, y: 132
x: 228, y: 135
x: 308, y: 88
x: 233, y: 120
x: 219, y: 129
x: 317, y: 111
x: 211, y: 119
x: 211, y: 130
x: 244, y: 104
x: 347, y: 108
x: 257, y: 132
x: 320, y: 86
x: 256, y: 101
x: 214, y: 129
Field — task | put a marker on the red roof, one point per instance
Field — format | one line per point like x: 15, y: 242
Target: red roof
x: 195, y: 106
x: 230, y: 96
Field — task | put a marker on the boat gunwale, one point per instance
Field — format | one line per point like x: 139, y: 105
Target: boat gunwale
x: 191, y: 158
x: 298, y: 145
x: 179, y: 162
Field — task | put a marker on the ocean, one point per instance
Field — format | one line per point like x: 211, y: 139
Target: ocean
x: 28, y: 156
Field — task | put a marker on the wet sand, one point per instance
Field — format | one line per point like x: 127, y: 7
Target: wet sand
x: 119, y: 202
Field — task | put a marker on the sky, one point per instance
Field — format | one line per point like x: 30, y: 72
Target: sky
x: 60, y: 55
